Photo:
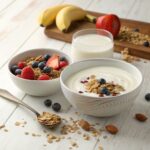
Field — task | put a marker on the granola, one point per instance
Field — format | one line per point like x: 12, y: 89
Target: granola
x: 93, y: 85
x: 48, y: 119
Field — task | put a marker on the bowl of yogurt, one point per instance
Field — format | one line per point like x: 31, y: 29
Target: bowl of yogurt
x: 101, y: 87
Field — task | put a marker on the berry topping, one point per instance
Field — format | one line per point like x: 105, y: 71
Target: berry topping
x: 47, y: 69
x: 21, y: 64
x: 13, y: 68
x: 48, y: 102
x: 102, y: 81
x: 53, y: 62
x: 147, y: 97
x: 104, y: 90
x: 27, y: 73
x: 146, y: 44
x: 35, y: 64
x: 41, y: 65
x: 63, y: 64
x: 62, y: 59
x: 44, y: 77
x: 18, y: 71
x: 56, y: 107
x: 46, y: 57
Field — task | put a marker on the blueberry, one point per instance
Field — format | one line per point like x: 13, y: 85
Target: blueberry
x: 146, y: 44
x: 47, y: 69
x: 62, y: 58
x: 18, y: 71
x: 136, y: 30
x: 13, y: 68
x: 41, y: 65
x: 35, y: 64
x: 48, y: 102
x: 104, y: 90
x: 56, y: 107
x: 102, y: 81
x: 46, y: 57
x: 147, y: 96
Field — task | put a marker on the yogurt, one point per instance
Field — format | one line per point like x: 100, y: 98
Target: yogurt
x: 110, y: 74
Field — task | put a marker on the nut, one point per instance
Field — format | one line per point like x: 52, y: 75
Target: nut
x: 111, y: 129
x: 84, y: 125
x: 140, y: 117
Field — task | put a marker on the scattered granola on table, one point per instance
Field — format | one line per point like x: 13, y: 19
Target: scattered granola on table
x: 127, y: 57
x: 133, y: 36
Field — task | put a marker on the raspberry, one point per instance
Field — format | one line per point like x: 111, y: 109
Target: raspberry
x: 21, y: 64
x: 44, y: 77
x: 27, y: 73
x: 63, y: 64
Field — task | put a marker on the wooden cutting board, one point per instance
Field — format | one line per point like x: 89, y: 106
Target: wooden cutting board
x: 137, y: 50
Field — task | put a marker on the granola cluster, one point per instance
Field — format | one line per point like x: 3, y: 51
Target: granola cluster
x: 101, y: 87
x: 133, y: 36
x: 49, y: 120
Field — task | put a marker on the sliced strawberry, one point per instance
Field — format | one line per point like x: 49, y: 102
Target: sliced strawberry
x: 27, y: 73
x: 44, y: 77
x: 63, y: 64
x: 53, y: 62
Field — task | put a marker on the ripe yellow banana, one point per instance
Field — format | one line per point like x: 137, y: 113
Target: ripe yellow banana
x: 47, y: 17
x: 67, y: 15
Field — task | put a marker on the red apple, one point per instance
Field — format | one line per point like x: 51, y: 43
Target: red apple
x: 110, y: 23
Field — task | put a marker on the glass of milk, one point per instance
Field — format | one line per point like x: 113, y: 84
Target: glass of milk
x: 92, y: 43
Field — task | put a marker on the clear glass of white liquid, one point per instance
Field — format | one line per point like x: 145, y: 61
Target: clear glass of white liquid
x: 92, y: 43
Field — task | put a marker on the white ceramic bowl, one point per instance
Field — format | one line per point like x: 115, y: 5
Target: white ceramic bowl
x: 36, y: 87
x: 100, y: 106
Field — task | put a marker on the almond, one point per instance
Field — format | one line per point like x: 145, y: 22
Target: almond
x: 111, y: 129
x: 84, y: 125
x: 140, y: 117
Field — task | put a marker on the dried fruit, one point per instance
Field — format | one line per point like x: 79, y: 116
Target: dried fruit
x: 111, y: 129
x: 140, y: 117
x: 84, y: 125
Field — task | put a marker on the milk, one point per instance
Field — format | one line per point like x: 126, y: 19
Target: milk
x: 91, y: 46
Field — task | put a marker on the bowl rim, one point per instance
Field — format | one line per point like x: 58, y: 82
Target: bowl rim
x: 99, y: 59
x: 34, y: 49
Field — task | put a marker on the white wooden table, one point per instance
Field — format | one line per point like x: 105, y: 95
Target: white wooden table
x: 20, y: 31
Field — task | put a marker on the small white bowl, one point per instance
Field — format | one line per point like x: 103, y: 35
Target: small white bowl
x: 36, y: 87
x: 100, y: 106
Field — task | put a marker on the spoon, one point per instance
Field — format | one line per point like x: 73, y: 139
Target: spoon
x: 44, y: 119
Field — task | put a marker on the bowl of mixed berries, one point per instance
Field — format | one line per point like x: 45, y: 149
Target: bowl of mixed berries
x: 37, y: 71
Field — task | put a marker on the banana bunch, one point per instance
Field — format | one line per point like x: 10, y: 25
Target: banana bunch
x: 63, y: 15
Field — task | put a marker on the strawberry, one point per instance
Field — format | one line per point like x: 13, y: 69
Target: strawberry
x: 27, y: 73
x: 53, y: 62
x: 44, y: 77
x: 110, y: 23
x: 21, y: 64
x: 63, y: 64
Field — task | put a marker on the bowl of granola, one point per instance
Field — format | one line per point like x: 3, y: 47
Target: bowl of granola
x: 37, y: 71
x: 101, y: 87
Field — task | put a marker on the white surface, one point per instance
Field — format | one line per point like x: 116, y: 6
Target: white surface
x: 19, y: 31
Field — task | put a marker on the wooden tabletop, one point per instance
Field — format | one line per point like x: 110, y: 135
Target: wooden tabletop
x: 20, y: 31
